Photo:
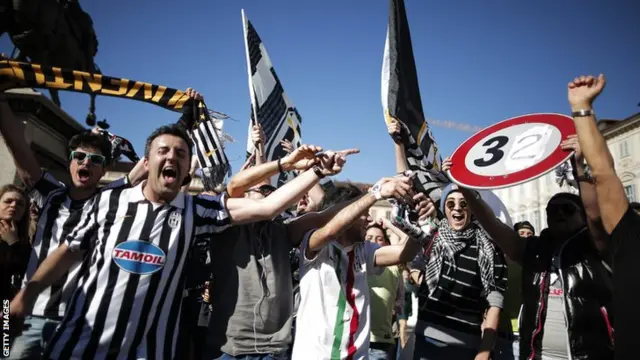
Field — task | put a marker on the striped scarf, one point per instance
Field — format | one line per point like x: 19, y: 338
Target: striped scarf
x: 449, y: 243
x: 208, y: 148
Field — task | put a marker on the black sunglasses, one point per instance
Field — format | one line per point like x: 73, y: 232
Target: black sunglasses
x: 80, y: 156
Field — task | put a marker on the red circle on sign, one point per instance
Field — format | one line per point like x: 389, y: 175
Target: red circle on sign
x: 462, y: 176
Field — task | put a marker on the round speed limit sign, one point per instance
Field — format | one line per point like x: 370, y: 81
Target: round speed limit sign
x: 512, y: 152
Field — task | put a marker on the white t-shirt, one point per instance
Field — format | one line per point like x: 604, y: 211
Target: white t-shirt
x: 333, y: 319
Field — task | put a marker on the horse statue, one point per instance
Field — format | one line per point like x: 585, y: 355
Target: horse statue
x: 52, y: 33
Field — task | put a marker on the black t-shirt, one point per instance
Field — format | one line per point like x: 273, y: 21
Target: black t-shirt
x: 13, y: 264
x: 626, y: 246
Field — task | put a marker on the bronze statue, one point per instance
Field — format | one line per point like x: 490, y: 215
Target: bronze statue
x: 53, y: 33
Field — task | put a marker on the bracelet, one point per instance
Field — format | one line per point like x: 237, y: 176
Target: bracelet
x: 375, y: 190
x: 583, y: 113
x: 318, y: 171
x: 280, y: 166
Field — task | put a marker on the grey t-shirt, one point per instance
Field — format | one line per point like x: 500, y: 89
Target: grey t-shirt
x: 252, y: 294
x: 555, y: 340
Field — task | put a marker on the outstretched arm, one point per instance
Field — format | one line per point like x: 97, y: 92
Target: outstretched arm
x: 302, y: 159
x: 612, y: 200
x: 243, y: 210
x: 12, y: 131
x: 395, y: 187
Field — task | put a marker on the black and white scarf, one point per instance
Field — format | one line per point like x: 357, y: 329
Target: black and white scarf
x: 447, y: 246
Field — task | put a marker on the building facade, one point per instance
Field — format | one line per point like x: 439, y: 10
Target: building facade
x: 47, y: 131
x: 529, y: 200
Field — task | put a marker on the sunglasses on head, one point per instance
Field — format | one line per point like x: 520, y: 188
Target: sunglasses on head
x: 80, y: 156
x: 451, y: 204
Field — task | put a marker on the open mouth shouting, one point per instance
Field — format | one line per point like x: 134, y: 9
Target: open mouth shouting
x: 170, y: 174
x: 84, y: 174
x: 459, y: 218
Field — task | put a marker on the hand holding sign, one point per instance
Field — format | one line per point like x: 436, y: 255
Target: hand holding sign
x: 512, y: 152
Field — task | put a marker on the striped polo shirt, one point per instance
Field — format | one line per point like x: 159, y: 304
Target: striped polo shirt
x: 333, y: 320
x: 129, y: 301
x: 59, y: 216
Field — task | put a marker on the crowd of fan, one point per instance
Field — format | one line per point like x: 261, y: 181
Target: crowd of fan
x: 261, y: 280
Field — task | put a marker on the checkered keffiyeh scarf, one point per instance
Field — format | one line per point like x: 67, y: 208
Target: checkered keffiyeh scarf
x: 449, y: 243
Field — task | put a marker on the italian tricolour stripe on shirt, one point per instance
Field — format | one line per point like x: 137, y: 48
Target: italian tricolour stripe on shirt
x: 333, y: 318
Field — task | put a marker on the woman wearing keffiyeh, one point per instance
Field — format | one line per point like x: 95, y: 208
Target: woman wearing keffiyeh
x: 462, y: 277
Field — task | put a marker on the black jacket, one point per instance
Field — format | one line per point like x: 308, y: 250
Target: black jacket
x: 588, y: 292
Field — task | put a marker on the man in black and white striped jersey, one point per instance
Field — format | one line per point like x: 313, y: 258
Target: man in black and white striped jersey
x: 129, y: 302
x: 60, y: 211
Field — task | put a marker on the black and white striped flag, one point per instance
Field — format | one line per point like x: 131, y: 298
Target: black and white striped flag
x: 206, y: 139
x: 401, y: 101
x: 270, y: 106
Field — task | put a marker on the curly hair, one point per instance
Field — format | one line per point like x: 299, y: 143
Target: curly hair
x: 23, y: 222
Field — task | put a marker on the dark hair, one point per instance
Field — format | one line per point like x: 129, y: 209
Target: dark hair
x: 91, y: 140
x: 524, y: 225
x: 384, y: 233
x: 338, y: 194
x: 634, y: 206
x: 173, y: 129
x: 23, y: 223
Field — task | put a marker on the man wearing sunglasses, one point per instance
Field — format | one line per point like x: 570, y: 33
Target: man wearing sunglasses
x: 61, y: 208
x: 567, y: 284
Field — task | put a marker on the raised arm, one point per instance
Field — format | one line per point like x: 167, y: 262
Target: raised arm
x: 407, y: 251
x: 587, y: 194
x: 257, y: 137
x: 396, y: 131
x: 243, y: 210
x: 612, y: 200
x: 12, y: 131
x: 503, y: 235
x: 302, y: 159
x: 398, y: 187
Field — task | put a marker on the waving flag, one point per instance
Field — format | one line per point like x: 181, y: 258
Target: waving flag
x: 270, y: 106
x: 401, y: 101
x: 196, y: 118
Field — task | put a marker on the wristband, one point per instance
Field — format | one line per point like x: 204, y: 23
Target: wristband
x: 318, y: 171
x: 376, y: 191
x: 280, y: 166
x: 583, y: 113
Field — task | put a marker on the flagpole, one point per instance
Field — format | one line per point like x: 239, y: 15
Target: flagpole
x: 254, y: 119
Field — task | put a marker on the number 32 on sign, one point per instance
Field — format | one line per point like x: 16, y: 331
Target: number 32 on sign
x: 512, y: 152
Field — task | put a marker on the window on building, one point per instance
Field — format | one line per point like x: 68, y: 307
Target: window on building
x: 624, y: 149
x: 536, y: 219
x: 630, y: 191
x: 387, y: 215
